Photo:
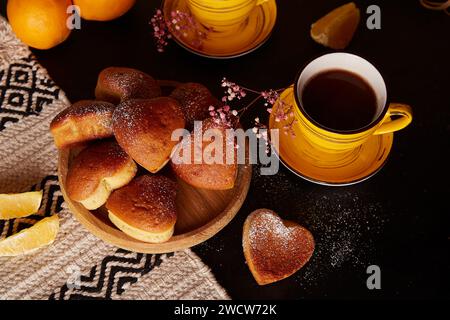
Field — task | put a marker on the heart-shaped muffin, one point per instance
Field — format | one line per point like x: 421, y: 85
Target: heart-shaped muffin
x: 145, y: 209
x: 144, y: 127
x: 117, y: 84
x: 207, y: 174
x: 98, y: 170
x: 195, y: 99
x: 274, y: 248
x: 83, y: 121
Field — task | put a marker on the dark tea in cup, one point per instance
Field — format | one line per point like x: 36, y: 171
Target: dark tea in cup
x: 340, y: 100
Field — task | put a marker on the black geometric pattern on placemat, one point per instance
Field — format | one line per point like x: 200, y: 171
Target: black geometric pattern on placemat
x: 52, y: 201
x: 23, y: 92
x: 113, y: 275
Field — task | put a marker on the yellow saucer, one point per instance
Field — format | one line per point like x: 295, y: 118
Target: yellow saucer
x: 354, y: 166
x: 247, y: 37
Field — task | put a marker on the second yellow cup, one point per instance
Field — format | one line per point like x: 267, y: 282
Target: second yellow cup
x: 222, y: 15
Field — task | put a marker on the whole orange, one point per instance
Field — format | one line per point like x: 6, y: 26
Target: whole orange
x: 40, y: 24
x: 103, y: 10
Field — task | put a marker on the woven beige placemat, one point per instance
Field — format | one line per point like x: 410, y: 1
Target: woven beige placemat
x: 77, y: 265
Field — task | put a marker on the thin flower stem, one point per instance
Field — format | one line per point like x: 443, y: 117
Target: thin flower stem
x: 250, y: 90
x: 243, y: 110
x: 259, y: 92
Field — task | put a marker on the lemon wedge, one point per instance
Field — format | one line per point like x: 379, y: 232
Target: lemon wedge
x: 336, y: 29
x: 31, y: 239
x: 19, y: 205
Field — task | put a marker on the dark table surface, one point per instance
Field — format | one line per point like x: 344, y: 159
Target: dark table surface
x: 398, y: 220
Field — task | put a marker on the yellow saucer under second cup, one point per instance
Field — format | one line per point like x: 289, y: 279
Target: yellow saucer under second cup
x: 359, y: 164
x: 243, y: 39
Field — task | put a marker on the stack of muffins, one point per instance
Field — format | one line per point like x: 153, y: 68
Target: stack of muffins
x: 124, y: 138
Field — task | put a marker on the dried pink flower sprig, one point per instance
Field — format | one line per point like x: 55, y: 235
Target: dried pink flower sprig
x: 233, y: 91
x: 270, y: 98
x: 181, y: 24
x: 229, y: 117
x: 224, y: 115
x: 283, y: 111
x: 260, y: 130
x: 161, y: 33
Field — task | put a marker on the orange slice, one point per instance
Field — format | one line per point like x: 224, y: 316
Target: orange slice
x: 336, y: 29
x: 31, y: 239
x: 19, y: 205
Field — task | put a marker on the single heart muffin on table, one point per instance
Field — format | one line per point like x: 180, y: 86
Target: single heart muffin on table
x: 116, y: 84
x: 144, y: 127
x: 83, y: 121
x: 96, y: 171
x: 145, y: 209
x: 274, y: 248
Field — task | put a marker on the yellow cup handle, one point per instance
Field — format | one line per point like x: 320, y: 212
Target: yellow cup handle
x: 260, y: 2
x: 395, y: 109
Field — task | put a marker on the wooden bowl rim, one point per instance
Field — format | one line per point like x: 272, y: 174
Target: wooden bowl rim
x: 178, y: 242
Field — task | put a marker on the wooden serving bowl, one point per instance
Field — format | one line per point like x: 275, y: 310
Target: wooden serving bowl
x: 201, y: 213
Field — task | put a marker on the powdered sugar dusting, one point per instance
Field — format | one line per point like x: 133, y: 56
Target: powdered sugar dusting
x: 268, y: 223
x: 195, y: 99
x: 147, y: 201
x: 103, y: 110
x: 275, y: 247
x: 345, y: 222
x: 118, y: 83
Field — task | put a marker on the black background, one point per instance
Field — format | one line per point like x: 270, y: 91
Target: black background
x: 397, y: 220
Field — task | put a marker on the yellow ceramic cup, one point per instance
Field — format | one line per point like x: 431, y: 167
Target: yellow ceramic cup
x: 332, y: 141
x: 222, y: 14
